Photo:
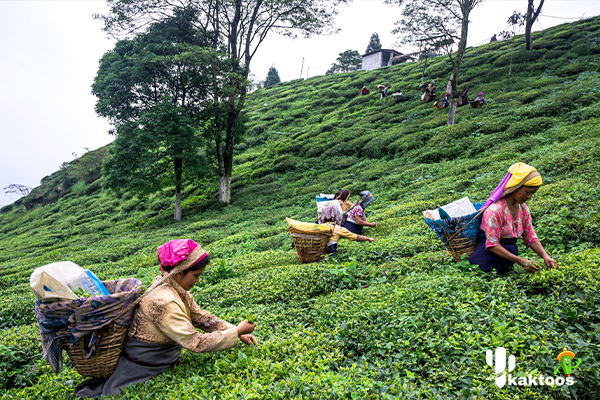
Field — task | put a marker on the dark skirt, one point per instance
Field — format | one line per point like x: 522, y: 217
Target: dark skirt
x: 488, y: 260
x: 139, y: 362
x: 332, y: 249
x: 352, y: 227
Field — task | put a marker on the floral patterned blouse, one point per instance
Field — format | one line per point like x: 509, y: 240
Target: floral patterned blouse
x: 358, y: 210
x: 498, y: 223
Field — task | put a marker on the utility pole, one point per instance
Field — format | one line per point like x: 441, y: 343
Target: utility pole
x: 302, y: 68
x: 307, y: 68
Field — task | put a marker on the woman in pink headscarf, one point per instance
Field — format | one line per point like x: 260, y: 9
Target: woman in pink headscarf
x: 166, y: 321
x: 480, y: 98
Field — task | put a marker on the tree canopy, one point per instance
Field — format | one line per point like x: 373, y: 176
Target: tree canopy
x: 374, y: 43
x: 437, y: 24
x: 347, y: 61
x: 154, y: 89
x: 237, y: 29
x: 527, y: 20
x: 272, y: 77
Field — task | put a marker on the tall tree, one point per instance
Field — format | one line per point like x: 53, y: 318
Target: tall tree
x: 438, y: 24
x: 272, y: 77
x: 154, y: 89
x: 347, y: 61
x: 527, y: 19
x: 374, y: 43
x: 240, y: 26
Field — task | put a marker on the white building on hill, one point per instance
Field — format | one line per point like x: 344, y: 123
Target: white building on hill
x: 382, y: 58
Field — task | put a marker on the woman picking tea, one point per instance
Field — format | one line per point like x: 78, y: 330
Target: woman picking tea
x: 505, y: 220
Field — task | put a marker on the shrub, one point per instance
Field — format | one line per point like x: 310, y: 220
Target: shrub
x: 79, y: 188
x: 529, y: 127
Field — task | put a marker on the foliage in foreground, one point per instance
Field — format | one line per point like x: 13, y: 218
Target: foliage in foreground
x: 397, y: 318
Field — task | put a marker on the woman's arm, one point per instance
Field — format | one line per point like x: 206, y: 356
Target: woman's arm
x: 209, y: 323
x: 363, y: 222
x: 539, y: 250
x: 502, y: 252
x: 173, y: 322
x: 361, y: 238
x: 530, y: 238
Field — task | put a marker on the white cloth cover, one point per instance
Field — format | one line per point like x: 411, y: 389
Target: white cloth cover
x: 48, y: 289
x: 60, y: 277
x: 455, y: 209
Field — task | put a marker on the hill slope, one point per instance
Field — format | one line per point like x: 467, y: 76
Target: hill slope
x: 412, y: 323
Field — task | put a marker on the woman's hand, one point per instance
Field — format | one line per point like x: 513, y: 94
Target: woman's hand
x: 245, y: 327
x: 528, y: 265
x: 362, y: 238
x: 248, y: 340
x: 550, y: 262
x: 361, y: 221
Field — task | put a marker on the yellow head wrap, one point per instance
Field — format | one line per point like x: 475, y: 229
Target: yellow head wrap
x: 520, y: 172
x: 522, y: 175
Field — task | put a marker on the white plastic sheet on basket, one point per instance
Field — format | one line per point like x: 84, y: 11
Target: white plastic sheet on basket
x: 56, y: 281
x: 458, y: 208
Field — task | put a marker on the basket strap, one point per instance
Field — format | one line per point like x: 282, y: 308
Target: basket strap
x: 350, y: 209
x: 467, y: 224
x: 136, y: 302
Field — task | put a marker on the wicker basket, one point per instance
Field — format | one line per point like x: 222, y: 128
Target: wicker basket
x: 311, y: 246
x: 109, y: 345
x: 459, y: 235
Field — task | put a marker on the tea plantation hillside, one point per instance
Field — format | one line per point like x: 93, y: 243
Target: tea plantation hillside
x: 397, y: 318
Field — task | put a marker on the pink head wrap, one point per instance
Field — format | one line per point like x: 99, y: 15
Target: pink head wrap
x: 175, y: 251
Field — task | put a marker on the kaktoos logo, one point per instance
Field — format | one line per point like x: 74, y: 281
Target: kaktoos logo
x: 500, y: 364
x: 502, y: 376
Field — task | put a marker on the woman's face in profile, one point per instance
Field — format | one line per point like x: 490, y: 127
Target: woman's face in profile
x: 524, y: 193
x: 189, y: 278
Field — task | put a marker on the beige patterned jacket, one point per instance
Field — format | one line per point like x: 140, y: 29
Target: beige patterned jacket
x: 168, y: 315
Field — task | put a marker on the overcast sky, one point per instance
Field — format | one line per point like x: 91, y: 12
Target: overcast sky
x: 50, y: 52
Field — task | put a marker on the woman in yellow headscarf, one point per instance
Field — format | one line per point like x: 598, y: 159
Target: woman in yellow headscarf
x: 505, y: 220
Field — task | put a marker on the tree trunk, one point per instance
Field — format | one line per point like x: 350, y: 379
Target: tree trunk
x: 225, y: 152
x: 178, y: 171
x: 457, y: 61
x: 528, y: 42
x: 452, y: 112
x: 530, y: 17
x: 225, y: 189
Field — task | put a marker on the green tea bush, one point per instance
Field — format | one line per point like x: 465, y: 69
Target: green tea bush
x: 397, y: 318
x: 531, y: 126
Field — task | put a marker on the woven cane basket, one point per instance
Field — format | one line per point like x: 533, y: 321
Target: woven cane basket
x: 109, y: 345
x: 459, y: 235
x: 311, y: 246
